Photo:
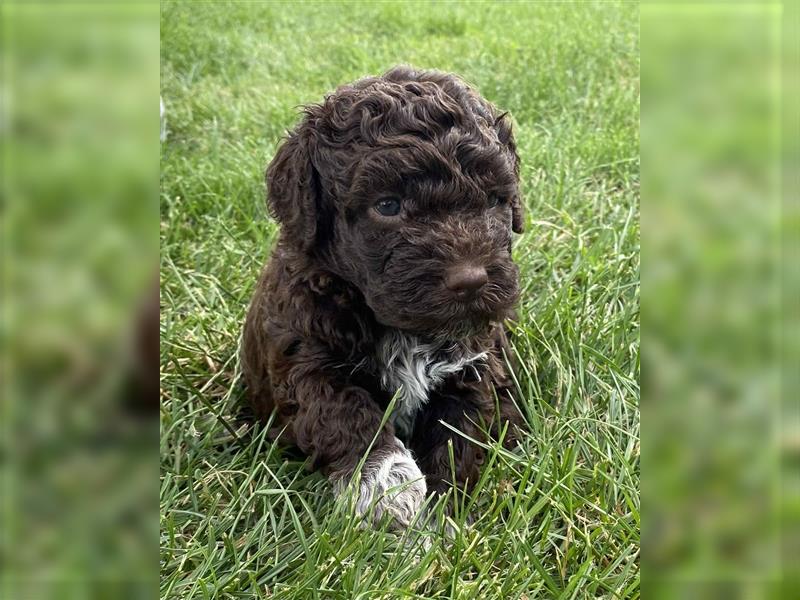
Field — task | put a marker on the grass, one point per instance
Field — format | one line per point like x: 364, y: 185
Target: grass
x: 556, y: 518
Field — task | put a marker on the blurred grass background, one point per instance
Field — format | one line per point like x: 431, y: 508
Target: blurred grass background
x: 79, y: 178
x: 713, y: 222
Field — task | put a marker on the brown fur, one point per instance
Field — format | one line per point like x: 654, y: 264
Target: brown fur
x: 342, y: 274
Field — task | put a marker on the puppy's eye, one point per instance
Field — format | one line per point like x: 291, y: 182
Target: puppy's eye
x: 388, y: 207
x: 495, y: 200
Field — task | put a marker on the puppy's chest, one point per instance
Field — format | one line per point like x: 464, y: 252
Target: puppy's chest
x: 416, y: 369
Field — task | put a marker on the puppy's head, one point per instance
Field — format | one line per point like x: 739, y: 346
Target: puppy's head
x: 406, y: 185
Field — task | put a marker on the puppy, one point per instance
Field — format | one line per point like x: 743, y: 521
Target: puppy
x: 397, y: 198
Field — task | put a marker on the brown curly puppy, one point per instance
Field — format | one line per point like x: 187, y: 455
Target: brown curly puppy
x: 397, y: 198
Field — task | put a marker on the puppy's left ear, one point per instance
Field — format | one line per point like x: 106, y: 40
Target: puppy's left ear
x: 505, y: 134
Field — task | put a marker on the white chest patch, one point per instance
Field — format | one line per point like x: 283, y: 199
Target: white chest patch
x: 417, y: 368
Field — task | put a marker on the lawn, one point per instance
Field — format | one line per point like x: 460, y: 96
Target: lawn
x: 558, y: 516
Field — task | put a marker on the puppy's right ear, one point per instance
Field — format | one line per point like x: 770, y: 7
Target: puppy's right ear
x: 505, y: 134
x: 293, y: 189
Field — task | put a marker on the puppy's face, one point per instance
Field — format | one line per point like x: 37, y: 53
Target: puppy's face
x: 428, y: 242
x: 413, y: 188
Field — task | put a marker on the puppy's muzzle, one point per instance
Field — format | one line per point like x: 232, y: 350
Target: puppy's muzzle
x: 465, y: 281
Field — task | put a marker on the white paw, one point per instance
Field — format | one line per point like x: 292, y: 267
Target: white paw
x: 391, y: 482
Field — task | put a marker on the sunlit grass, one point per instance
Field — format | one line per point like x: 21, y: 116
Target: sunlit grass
x: 557, y: 517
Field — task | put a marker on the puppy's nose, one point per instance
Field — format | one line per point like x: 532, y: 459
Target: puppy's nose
x: 465, y: 279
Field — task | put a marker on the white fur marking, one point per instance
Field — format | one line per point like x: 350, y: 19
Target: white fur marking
x: 418, y: 368
x: 393, y: 483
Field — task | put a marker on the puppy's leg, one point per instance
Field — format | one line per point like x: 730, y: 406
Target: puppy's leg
x: 431, y: 439
x: 391, y: 482
x: 336, y: 429
x: 464, y: 410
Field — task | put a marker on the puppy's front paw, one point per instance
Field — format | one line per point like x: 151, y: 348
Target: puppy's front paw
x: 393, y: 483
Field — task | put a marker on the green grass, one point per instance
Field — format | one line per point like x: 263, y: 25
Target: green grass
x: 557, y: 517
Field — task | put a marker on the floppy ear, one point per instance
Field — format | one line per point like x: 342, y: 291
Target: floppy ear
x: 506, y: 137
x: 293, y: 189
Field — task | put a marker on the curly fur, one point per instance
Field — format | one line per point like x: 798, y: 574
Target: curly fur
x: 353, y: 304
